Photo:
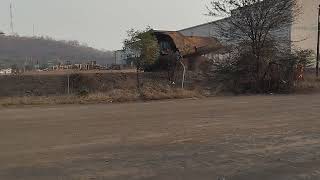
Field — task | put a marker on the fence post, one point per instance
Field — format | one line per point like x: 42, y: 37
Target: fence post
x: 68, y: 83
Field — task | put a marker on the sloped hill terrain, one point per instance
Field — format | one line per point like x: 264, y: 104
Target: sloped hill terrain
x: 32, y: 50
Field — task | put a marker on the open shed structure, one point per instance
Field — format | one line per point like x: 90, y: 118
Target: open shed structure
x: 191, y: 48
x: 188, y: 46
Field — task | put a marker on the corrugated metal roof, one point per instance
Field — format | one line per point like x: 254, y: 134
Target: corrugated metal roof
x: 191, y: 45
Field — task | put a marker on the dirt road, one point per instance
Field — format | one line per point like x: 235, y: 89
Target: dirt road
x: 231, y: 138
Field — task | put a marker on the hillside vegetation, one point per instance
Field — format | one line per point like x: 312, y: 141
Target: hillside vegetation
x: 19, y: 51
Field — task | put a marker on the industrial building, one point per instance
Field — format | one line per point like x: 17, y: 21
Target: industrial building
x: 203, y: 40
x: 302, y: 33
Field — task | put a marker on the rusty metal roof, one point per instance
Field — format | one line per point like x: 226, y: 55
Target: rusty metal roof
x: 191, y: 45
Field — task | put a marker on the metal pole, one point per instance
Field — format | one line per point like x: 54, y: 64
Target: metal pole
x: 317, y: 70
x: 183, y: 75
x: 68, y: 83
x: 11, y: 19
x: 33, y: 30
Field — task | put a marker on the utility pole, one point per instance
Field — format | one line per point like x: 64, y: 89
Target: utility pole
x: 318, y: 56
x: 11, y: 19
x: 33, y: 30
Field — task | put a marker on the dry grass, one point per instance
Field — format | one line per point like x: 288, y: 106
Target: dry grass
x: 113, y: 96
x: 311, y: 84
x: 152, y: 94
x: 155, y: 91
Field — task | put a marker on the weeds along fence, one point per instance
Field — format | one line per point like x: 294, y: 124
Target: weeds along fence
x: 62, y: 84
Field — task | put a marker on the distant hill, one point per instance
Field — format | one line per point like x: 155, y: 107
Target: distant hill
x: 43, y: 51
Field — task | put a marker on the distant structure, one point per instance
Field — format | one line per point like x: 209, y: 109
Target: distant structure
x: 6, y: 71
x: 92, y: 65
x: 120, y: 57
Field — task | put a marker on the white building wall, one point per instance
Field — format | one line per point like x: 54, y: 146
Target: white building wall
x: 304, y: 31
x: 206, y: 30
x: 212, y: 30
x: 203, y: 30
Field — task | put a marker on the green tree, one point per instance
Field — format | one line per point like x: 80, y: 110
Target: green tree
x: 142, y: 49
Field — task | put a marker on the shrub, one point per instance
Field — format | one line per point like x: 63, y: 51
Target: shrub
x: 83, y: 92
x: 275, y: 72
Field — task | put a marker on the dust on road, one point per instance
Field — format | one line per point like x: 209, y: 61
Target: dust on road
x: 231, y: 138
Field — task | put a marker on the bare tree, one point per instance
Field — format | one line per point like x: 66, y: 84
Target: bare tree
x: 256, y: 27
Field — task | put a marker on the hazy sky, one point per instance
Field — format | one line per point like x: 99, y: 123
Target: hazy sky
x: 99, y: 23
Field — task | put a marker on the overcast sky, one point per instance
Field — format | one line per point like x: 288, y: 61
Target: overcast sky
x: 99, y: 23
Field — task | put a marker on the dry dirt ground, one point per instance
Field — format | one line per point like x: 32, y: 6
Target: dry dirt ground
x: 227, y: 138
